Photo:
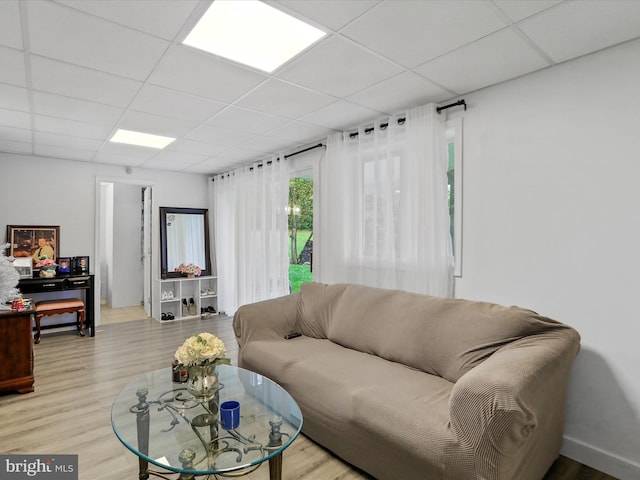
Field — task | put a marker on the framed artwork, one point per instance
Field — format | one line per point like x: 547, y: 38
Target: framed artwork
x: 33, y: 241
x: 80, y: 265
x: 64, y: 265
x: 24, y: 266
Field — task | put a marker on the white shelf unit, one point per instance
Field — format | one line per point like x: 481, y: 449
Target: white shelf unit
x: 199, y: 293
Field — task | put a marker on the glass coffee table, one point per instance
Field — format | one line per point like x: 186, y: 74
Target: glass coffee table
x: 164, y: 425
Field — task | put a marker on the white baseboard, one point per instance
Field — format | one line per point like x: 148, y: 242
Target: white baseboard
x: 607, y: 462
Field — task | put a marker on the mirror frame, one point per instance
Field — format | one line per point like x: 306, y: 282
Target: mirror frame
x: 164, y: 211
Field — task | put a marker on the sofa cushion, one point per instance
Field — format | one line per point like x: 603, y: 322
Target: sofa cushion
x: 316, y: 307
x: 360, y: 405
x: 442, y: 336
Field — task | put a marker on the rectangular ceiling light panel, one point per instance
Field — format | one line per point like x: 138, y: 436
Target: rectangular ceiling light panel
x: 252, y: 33
x: 141, y: 139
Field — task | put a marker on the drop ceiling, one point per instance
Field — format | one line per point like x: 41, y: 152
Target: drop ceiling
x: 72, y: 72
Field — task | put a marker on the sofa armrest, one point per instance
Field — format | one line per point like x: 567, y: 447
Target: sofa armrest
x: 511, y: 406
x: 272, y: 318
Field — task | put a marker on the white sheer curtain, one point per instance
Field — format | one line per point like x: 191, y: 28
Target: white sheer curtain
x: 251, y: 234
x: 384, y: 218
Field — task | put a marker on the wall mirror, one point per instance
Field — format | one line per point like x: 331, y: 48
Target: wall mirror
x: 184, y: 238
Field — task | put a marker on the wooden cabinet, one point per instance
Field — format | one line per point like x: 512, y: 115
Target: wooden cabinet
x: 64, y: 283
x: 16, y: 351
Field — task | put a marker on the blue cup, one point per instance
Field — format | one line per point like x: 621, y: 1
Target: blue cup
x: 230, y: 415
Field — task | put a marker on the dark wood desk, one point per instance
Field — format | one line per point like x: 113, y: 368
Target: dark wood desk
x: 16, y: 351
x: 65, y: 283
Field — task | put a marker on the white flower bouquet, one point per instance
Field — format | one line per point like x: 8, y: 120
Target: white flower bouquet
x: 202, y: 349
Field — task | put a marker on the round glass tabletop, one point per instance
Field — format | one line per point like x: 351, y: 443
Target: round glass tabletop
x: 158, y: 420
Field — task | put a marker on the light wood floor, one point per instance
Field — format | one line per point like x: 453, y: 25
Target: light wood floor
x: 110, y: 315
x: 78, y: 378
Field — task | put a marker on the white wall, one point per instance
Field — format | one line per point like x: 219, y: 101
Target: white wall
x: 550, y: 222
x: 67, y: 197
x: 128, y: 282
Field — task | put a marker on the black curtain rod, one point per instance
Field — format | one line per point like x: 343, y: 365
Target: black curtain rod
x: 269, y: 162
x: 304, y: 150
x: 455, y: 104
x: 403, y: 119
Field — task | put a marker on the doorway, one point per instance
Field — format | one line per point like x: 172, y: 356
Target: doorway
x: 300, y: 212
x: 123, y: 247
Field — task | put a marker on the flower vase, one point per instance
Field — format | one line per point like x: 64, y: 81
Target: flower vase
x: 47, y: 272
x: 203, y: 381
x: 191, y: 275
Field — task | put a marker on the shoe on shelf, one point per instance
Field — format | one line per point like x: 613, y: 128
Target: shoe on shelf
x: 192, y: 307
x: 170, y: 316
x: 164, y: 316
x: 210, y: 309
x: 185, y: 308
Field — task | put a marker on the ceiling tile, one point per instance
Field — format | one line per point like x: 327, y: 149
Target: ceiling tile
x: 63, y: 33
x: 341, y: 115
x: 190, y: 146
x: 118, y: 159
x: 15, y: 147
x: 271, y: 144
x: 498, y: 57
x: 126, y: 150
x: 70, y: 127
x: 10, y: 31
x: 301, y: 132
x: 217, y: 165
x: 218, y: 136
x: 12, y: 70
x: 199, y: 168
x: 576, y: 28
x: 242, y: 155
x: 163, y: 19
x: 397, y: 93
x: 72, y: 81
x: 15, y: 134
x: 330, y: 13
x: 13, y: 98
x: 155, y: 124
x: 178, y: 157
x: 411, y: 32
x: 284, y: 99
x: 339, y: 67
x: 14, y: 118
x: 173, y: 165
x: 188, y: 70
x: 521, y: 9
x: 67, y: 141
x: 171, y: 103
x: 63, y: 152
x: 74, y: 109
x: 242, y: 119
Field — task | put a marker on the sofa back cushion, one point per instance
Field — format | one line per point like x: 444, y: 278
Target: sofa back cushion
x: 442, y: 336
x: 317, y: 304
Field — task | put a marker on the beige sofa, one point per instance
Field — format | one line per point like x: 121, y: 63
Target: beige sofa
x: 407, y: 386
